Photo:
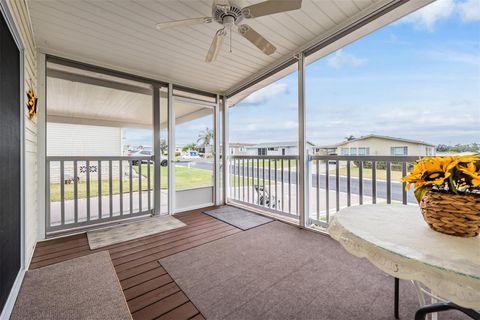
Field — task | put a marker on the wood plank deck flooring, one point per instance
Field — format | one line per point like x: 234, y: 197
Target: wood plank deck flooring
x: 150, y: 292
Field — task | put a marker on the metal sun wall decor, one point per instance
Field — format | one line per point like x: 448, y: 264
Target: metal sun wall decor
x: 31, y: 104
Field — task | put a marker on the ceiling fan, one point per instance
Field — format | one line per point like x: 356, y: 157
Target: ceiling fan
x: 230, y: 14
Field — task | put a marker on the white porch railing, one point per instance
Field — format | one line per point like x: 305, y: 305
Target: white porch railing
x: 86, y: 191
x: 267, y: 182
x: 271, y: 183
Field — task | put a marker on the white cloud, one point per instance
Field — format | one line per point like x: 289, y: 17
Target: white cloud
x: 427, y: 17
x: 455, y: 56
x: 469, y: 10
x: 262, y: 95
x: 341, y: 59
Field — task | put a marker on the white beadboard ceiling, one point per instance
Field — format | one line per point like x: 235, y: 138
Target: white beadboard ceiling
x: 77, y: 102
x: 121, y: 34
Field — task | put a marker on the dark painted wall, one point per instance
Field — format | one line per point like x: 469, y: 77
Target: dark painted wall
x: 10, y: 149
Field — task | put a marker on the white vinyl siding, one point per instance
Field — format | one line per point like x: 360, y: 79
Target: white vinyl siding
x: 81, y: 140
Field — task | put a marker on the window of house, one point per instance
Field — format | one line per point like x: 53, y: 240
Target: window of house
x: 399, y: 151
x: 262, y: 151
x: 353, y: 151
x: 363, y: 151
x: 344, y: 151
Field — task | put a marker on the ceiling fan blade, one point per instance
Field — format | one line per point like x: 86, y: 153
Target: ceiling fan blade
x: 215, y: 46
x: 185, y: 22
x: 254, y: 37
x: 270, y: 7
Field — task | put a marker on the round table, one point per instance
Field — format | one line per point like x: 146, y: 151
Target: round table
x: 396, y: 239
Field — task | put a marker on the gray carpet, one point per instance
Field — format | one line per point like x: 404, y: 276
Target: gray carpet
x: 278, y: 271
x: 131, y: 230
x: 239, y: 218
x: 81, y: 288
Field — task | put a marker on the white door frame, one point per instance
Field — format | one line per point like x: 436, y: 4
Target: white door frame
x: 172, y: 209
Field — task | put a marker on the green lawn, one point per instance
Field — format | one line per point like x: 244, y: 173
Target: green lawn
x: 185, y: 178
x: 82, y: 188
x: 367, y: 173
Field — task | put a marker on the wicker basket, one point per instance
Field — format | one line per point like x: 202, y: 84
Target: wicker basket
x: 457, y: 215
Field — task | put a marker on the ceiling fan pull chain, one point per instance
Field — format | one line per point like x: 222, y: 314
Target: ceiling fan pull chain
x: 231, y: 34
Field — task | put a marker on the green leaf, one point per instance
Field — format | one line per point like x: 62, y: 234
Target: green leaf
x: 451, y: 185
x: 420, y: 192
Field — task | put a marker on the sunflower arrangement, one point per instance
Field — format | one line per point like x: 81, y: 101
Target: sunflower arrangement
x: 455, y: 175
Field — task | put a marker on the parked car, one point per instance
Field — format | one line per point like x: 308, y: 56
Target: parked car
x: 190, y: 155
x: 143, y: 152
x: 146, y: 151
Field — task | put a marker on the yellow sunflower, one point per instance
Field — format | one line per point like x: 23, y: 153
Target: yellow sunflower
x: 470, y: 169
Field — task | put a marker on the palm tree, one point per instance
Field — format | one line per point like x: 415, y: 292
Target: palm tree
x: 163, y: 146
x: 205, y: 137
x: 190, y: 147
x: 350, y: 137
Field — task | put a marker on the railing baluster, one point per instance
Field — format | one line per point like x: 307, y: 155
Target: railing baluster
x: 140, y: 207
x: 283, y: 199
x: 88, y: 189
x: 389, y: 182
x: 289, y: 187
x: 62, y: 192
x: 258, y: 181
x: 237, y: 183
x: 318, y: 188
x: 120, y: 182
x: 148, y: 186
x: 374, y: 182
x: 75, y: 192
x: 349, y: 183
x: 248, y: 180
x: 130, y: 186
x: 404, y: 192
x: 337, y: 184
x: 110, y: 187
x: 296, y: 187
x: 263, y: 187
x: 269, y: 183
x: 360, y: 182
x: 243, y: 180
x: 253, y: 181
x: 239, y: 180
x: 327, y: 190
x: 99, y: 182
x: 276, y: 190
x: 232, y: 177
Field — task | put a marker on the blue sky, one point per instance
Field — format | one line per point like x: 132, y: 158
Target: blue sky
x: 418, y: 78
